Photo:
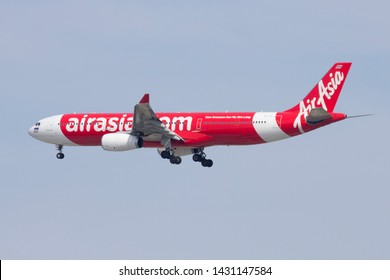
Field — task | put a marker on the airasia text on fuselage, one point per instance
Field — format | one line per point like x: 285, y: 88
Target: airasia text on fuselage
x: 100, y: 123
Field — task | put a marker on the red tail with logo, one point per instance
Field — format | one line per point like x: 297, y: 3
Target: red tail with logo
x: 326, y: 93
x: 323, y: 98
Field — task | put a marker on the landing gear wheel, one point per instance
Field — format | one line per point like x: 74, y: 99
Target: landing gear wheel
x: 60, y: 155
x: 175, y: 160
x: 166, y: 154
x: 207, y: 162
x: 197, y: 157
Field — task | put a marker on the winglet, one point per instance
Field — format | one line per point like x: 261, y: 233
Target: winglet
x: 145, y: 98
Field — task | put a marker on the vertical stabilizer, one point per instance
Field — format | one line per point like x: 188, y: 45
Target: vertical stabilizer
x: 326, y: 92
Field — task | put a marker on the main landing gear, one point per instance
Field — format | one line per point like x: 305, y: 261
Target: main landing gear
x: 60, y: 155
x: 168, y: 154
x: 200, y: 156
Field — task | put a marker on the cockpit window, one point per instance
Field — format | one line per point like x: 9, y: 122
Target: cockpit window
x: 38, y: 124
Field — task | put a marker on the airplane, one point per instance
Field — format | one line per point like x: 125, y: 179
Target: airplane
x: 180, y: 134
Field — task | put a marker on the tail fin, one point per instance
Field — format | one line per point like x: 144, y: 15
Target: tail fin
x: 326, y: 92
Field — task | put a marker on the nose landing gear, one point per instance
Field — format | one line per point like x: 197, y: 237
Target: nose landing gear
x: 60, y: 155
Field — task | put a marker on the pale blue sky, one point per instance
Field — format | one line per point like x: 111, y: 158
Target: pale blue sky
x: 324, y: 195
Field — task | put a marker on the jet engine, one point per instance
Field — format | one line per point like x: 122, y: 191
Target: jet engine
x: 116, y: 142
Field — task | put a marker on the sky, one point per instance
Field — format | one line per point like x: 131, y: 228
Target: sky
x: 322, y: 195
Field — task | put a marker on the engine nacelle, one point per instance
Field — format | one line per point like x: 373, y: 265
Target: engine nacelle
x: 117, y: 142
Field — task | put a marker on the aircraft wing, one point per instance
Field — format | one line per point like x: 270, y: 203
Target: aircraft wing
x: 146, y: 123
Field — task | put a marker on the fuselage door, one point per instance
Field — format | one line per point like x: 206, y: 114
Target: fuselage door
x: 278, y: 119
x: 49, y: 126
x: 199, y: 124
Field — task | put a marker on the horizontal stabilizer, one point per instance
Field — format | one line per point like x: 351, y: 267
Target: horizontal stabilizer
x: 317, y: 115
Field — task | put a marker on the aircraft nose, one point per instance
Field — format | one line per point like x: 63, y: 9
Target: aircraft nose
x: 31, y: 131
